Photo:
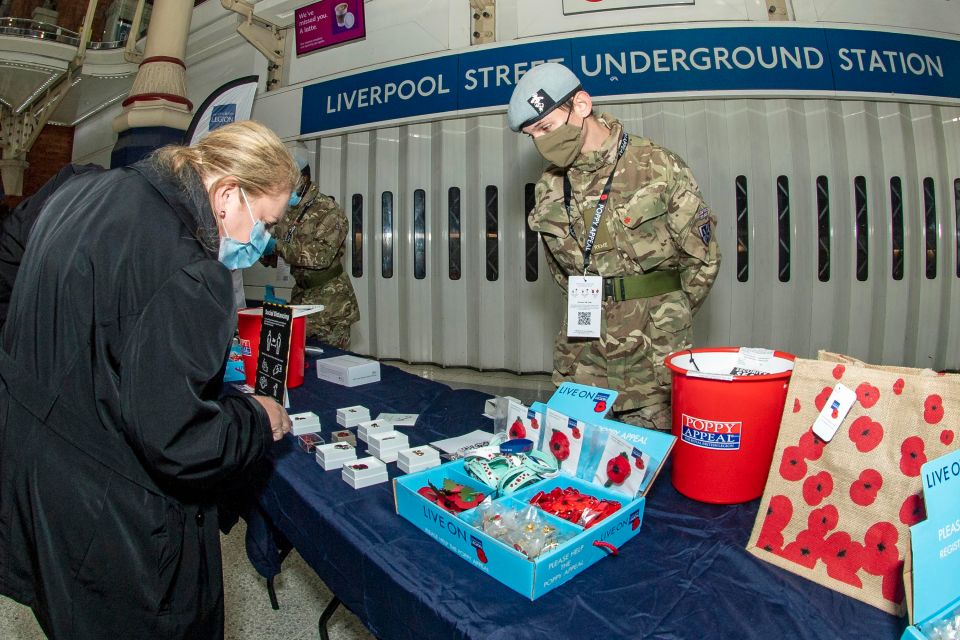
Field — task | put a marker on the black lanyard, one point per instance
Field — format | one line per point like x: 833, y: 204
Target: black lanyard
x: 601, y: 205
x: 293, y: 227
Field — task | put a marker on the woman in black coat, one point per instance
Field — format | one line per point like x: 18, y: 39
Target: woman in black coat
x: 114, y: 441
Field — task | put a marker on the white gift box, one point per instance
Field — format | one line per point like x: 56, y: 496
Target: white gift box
x: 417, y: 459
x: 387, y: 445
x: 369, y: 427
x: 364, y: 472
x: 335, y: 455
x: 307, y: 422
x: 349, y: 371
x: 352, y: 416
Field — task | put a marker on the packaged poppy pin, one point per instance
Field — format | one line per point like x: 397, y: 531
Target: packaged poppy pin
x: 533, y: 518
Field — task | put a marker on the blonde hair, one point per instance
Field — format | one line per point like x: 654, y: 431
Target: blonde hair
x: 246, y: 151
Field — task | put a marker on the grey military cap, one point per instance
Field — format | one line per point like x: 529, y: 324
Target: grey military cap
x: 541, y: 90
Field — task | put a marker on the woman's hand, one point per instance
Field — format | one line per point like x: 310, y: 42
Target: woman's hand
x: 280, y: 422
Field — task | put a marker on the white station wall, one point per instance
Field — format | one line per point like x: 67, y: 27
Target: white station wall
x: 508, y: 320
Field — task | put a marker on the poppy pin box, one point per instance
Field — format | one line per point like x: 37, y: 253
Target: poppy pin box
x: 535, y: 533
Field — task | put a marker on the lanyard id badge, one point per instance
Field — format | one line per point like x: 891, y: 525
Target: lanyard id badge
x: 584, y: 306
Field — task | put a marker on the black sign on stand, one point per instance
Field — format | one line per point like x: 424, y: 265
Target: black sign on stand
x: 274, y: 351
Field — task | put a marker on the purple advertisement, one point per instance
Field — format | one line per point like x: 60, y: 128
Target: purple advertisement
x: 328, y: 22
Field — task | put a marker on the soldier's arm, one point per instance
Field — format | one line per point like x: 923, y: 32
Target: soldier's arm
x: 694, y: 229
x: 318, y: 237
x: 545, y: 195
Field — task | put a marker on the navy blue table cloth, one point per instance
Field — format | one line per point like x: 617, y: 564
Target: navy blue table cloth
x: 686, y: 575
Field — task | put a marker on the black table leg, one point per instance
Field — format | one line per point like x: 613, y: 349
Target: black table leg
x: 273, y: 594
x: 325, y: 617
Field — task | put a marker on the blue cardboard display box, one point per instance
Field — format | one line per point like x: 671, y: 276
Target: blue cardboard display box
x: 578, y: 405
x: 933, y: 564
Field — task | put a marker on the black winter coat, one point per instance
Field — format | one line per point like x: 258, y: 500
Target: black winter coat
x: 16, y: 227
x: 114, y: 442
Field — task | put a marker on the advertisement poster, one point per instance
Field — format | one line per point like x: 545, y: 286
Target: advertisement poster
x: 328, y: 22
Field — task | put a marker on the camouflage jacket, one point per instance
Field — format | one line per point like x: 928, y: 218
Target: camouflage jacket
x: 655, y: 219
x: 312, y: 234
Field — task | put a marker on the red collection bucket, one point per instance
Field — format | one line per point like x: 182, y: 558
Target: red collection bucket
x: 248, y: 325
x: 726, y: 425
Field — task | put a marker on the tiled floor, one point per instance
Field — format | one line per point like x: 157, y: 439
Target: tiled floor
x: 301, y: 594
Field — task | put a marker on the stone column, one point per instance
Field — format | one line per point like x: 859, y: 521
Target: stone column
x: 157, y: 111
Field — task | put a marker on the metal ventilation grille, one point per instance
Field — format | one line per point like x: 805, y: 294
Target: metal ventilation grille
x: 531, y: 239
x: 823, y: 229
x: 386, y: 239
x: 493, y: 233
x: 896, y: 228
x: 453, y: 233
x: 419, y: 234
x: 862, y: 227
x: 743, y: 230
x: 783, y: 228
x: 356, y: 217
x: 930, y: 226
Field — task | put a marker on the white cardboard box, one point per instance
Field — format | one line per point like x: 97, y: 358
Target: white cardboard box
x: 417, y: 459
x: 335, y: 455
x: 307, y: 422
x: 364, y: 472
x: 387, y: 445
x: 352, y: 416
x: 349, y: 371
x: 400, y: 419
x: 369, y: 427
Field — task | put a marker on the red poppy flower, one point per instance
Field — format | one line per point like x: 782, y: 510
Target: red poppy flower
x: 517, y: 430
x: 933, y: 409
x: 481, y: 555
x: 534, y: 424
x: 796, y: 405
x: 618, y: 469
x: 575, y: 432
x: 898, y: 386
x: 867, y: 394
x: 822, y: 520
x: 779, y: 512
x: 559, y: 446
x: 817, y: 487
x: 821, y: 398
x: 811, y: 446
x: 892, y: 585
x: 946, y: 437
x: 638, y: 463
x: 805, y: 550
x: 864, y: 490
x: 865, y: 433
x: 912, y: 456
x: 838, y: 371
x: 880, y: 553
x: 913, y: 510
x: 792, y: 465
x: 843, y: 558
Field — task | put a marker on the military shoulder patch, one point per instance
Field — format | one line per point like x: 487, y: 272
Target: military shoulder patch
x: 705, y: 233
x: 703, y: 212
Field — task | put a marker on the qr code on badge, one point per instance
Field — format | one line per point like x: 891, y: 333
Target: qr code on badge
x: 583, y: 318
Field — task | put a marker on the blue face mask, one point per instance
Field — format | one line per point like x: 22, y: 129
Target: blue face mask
x: 294, y: 199
x: 240, y: 255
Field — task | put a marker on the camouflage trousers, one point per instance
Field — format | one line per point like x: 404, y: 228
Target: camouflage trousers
x: 635, y: 337
x: 332, y: 325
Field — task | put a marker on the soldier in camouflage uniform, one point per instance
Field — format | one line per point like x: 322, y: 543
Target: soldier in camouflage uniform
x: 655, y: 244
x: 311, y: 239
